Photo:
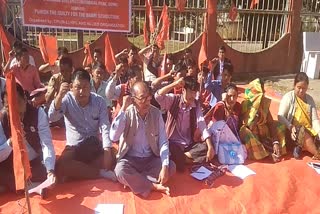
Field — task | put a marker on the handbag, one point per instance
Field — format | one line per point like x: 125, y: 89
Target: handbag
x: 228, y: 147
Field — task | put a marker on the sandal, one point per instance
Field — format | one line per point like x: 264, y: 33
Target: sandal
x: 316, y: 156
x: 299, y: 142
x: 276, y: 152
x: 217, y: 171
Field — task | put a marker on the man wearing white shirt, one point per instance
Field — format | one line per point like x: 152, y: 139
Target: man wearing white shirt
x: 17, y: 46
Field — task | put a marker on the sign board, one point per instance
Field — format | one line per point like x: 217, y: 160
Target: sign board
x: 104, y: 15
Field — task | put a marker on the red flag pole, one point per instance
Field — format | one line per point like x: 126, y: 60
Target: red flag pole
x: 26, y: 194
x: 2, y: 52
x: 21, y: 164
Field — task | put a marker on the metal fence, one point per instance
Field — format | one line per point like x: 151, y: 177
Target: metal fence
x: 310, y: 16
x: 253, y: 29
x: 185, y: 26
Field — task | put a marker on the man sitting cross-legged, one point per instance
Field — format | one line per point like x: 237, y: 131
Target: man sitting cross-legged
x: 185, y: 123
x: 143, y: 156
x: 36, y: 136
x: 85, y: 115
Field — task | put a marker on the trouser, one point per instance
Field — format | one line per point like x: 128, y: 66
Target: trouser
x: 82, y: 161
x: 133, y: 172
x: 38, y: 170
x: 198, y: 152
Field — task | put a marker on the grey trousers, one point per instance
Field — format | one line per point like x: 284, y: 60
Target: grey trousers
x: 133, y: 172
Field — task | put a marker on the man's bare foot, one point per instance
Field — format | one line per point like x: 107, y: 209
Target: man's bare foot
x: 161, y: 188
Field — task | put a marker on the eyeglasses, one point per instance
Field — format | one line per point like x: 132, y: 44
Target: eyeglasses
x: 142, y: 99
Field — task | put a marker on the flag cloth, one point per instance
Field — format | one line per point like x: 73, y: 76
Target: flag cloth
x: 164, y: 32
x: 253, y: 4
x: 210, y: 7
x: 145, y: 34
x: 180, y: 5
x: 109, y: 59
x: 89, y: 56
x: 5, y: 45
x: 21, y: 164
x: 3, y: 7
x: 149, y: 13
x: 163, y: 68
x: 48, y: 48
x: 233, y: 12
x: 203, y: 50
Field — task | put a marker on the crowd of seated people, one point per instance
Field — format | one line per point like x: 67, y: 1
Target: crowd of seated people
x: 147, y: 119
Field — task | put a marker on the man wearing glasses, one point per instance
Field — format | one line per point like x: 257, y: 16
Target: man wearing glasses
x: 143, y: 157
x: 85, y: 116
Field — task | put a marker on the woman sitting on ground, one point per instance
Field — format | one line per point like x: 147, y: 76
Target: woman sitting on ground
x: 261, y: 135
x: 228, y: 110
x: 298, y: 113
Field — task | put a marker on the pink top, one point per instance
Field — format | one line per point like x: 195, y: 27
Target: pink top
x: 28, y: 78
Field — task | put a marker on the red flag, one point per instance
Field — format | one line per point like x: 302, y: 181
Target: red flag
x: 210, y: 7
x: 203, y: 50
x: 180, y: 5
x: 5, y: 45
x: 109, y: 59
x: 233, y: 12
x: 21, y: 164
x: 89, y: 56
x: 164, y: 32
x: 145, y: 34
x: 253, y: 3
x: 163, y: 68
x: 149, y: 13
x: 3, y: 7
x: 48, y: 48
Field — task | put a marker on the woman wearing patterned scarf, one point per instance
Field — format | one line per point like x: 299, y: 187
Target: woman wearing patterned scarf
x: 259, y: 132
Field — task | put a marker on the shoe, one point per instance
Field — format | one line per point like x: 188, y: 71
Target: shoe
x: 297, y: 152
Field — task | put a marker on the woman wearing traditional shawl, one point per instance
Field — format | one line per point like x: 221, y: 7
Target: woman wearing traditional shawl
x: 228, y: 110
x: 298, y: 113
x: 259, y: 132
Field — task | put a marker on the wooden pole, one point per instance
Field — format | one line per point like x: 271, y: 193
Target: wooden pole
x: 26, y: 194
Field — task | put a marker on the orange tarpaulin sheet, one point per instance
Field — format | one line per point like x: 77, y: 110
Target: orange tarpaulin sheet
x: 48, y: 48
x: 286, y: 187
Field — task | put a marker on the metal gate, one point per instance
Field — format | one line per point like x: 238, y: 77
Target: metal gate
x: 254, y: 29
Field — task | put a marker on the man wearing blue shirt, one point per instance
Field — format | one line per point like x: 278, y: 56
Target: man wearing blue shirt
x: 85, y: 117
x: 217, y: 87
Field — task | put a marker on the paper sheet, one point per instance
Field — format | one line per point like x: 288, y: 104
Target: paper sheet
x: 315, y: 167
x: 240, y: 171
x: 45, y: 184
x: 201, y: 173
x: 109, y: 209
